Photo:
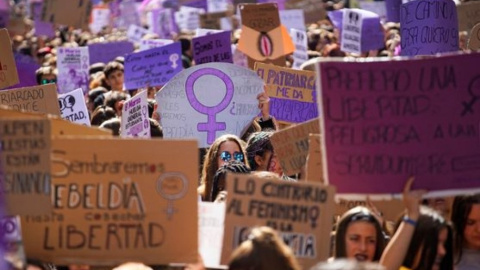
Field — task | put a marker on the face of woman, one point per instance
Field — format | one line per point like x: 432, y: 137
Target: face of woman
x: 227, y: 152
x: 361, y: 241
x: 471, y: 233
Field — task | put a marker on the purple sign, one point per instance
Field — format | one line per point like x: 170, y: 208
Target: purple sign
x: 428, y: 27
x: 162, y: 22
x: 26, y: 68
x: 106, y: 52
x: 195, y: 3
x: 393, y: 10
x: 4, y: 17
x: 154, y: 67
x: 388, y: 120
x: 212, y: 48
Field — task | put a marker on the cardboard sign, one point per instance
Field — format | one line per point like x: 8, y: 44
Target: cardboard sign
x: 147, y: 44
x: 216, y: 20
x: 25, y: 162
x: 74, y: 13
x: 135, y: 121
x: 73, y: 107
x: 162, y: 22
x: 135, y: 33
x: 100, y: 19
x: 391, y: 210
x: 211, y: 218
x: 468, y: 14
x: 8, y: 70
x: 313, y: 9
x: 10, y: 229
x: 434, y: 31
x: 263, y: 38
x: 292, y: 92
x: 212, y: 48
x: 292, y: 19
x: 291, y: 145
x: 474, y: 40
x: 106, y: 52
x: 112, y: 203
x: 300, y: 54
x: 209, y: 100
x: 73, y: 68
x: 39, y: 98
x: 154, y: 67
x: 314, y: 160
x: 301, y: 212
x: 390, y: 120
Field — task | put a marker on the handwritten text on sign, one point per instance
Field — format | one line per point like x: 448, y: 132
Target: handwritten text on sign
x: 212, y: 48
x: 385, y: 121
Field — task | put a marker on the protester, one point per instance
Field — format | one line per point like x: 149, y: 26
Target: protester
x: 219, y: 180
x: 114, y: 76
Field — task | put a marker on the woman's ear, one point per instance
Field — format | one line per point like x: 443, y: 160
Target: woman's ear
x: 259, y: 161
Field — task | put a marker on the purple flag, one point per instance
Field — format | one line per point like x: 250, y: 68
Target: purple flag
x: 212, y: 48
x: 106, y: 52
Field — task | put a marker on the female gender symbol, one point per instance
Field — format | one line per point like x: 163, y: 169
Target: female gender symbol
x: 211, y: 126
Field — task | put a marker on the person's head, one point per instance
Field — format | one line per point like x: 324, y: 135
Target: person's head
x: 132, y: 266
x: 260, y: 153
x: 102, y: 114
x: 156, y: 130
x: 115, y: 101
x: 466, y: 219
x: 114, y: 75
x: 431, y: 247
x: 113, y: 124
x: 359, y: 236
x: 263, y: 250
x: 45, y: 75
x: 92, y: 96
x: 220, y: 176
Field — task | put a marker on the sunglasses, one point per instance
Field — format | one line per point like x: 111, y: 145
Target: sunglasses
x: 227, y: 156
x: 45, y: 81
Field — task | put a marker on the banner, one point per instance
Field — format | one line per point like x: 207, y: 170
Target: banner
x: 292, y: 92
x: 73, y: 68
x: 106, y: 52
x: 75, y: 13
x: 206, y: 101
x: 135, y: 121
x: 8, y: 70
x: 212, y: 48
x: 385, y: 121
x: 39, y: 98
x: 301, y: 212
x: 468, y: 14
x: 74, y: 108
x: 113, y: 203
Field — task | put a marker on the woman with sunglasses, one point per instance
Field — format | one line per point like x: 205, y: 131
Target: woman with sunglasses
x: 260, y: 154
x: 224, y: 149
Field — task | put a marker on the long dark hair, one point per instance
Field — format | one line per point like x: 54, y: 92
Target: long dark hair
x: 462, y: 205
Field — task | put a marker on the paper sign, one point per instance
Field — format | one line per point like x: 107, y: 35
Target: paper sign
x: 468, y: 15
x: 377, y: 7
x: 292, y: 92
x: 188, y: 18
x: 8, y: 70
x: 200, y: 32
x: 112, y: 203
x: 291, y: 145
x: 126, y: 14
x: 218, y: 5
x: 73, y: 107
x: 106, y: 52
x: 351, y: 39
x: 212, y: 48
x: 211, y: 218
x: 301, y: 212
x: 73, y: 68
x: 147, y: 44
x: 100, y: 19
x: 25, y: 162
x: 74, y: 13
x: 154, y: 67
x: 313, y: 9
x: 300, y: 54
x: 39, y: 98
x: 135, y: 121
x: 292, y: 19
x: 385, y: 121
x: 206, y: 101
x: 135, y: 33
x: 314, y: 160
x: 162, y: 22
x: 428, y: 27
x: 474, y: 41
x: 10, y: 229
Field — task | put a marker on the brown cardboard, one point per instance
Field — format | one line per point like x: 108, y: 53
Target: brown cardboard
x: 38, y: 98
x: 313, y: 9
x: 17, y: 26
x: 474, y: 40
x: 212, y: 20
x: 314, y: 159
x: 291, y: 145
x: 118, y: 200
x: 75, y: 13
x: 8, y: 68
x: 248, y: 195
x: 391, y: 210
x: 261, y: 17
x: 468, y: 14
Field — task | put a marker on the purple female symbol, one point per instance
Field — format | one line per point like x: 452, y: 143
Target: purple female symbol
x: 211, y: 126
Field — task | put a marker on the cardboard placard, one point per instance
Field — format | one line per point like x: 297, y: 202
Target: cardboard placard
x: 300, y: 55
x: 135, y: 121
x: 313, y: 9
x: 301, y: 212
x: 213, y: 20
x: 212, y: 48
x: 410, y: 117
x: 474, y: 40
x: 73, y: 107
x: 73, y: 68
x: 211, y: 219
x: 106, y: 52
x: 314, y: 159
x: 112, y: 203
x: 292, y: 147
x: 154, y: 67
x: 391, y: 210
x: 74, y: 13
x: 206, y: 101
x: 8, y: 69
x: 434, y: 30
x: 292, y: 92
x: 39, y: 98
x: 25, y: 162
x: 468, y: 15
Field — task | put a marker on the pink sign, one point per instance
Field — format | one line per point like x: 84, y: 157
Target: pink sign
x: 387, y: 120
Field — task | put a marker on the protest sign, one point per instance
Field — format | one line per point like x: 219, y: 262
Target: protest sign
x: 291, y: 145
x: 106, y: 52
x: 313, y: 9
x: 8, y: 70
x: 73, y: 107
x: 39, y: 98
x: 135, y: 33
x: 41, y: 28
x: 468, y: 14
x: 216, y: 20
x: 474, y: 40
x: 393, y: 10
x: 147, y: 44
x: 393, y: 119
x: 10, y: 230
x: 218, y: 5
x: 26, y: 69
x: 301, y: 212
x: 188, y: 18
x: 112, y: 203
x: 314, y: 160
x: 100, y: 19
x: 73, y: 67
x: 198, y: 4
x: 390, y: 210
x: 292, y: 92
x: 135, y: 121
x: 351, y: 39
x: 263, y: 38
x: 209, y: 100
x: 25, y: 162
x: 377, y: 7
x: 17, y: 26
x: 125, y: 13
x: 428, y: 27
x: 300, y: 54
x: 4, y: 13
x: 162, y: 22
x: 154, y: 67
x: 74, y: 13
x: 292, y: 19
x: 200, y: 32
x: 211, y: 218
x: 212, y: 48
